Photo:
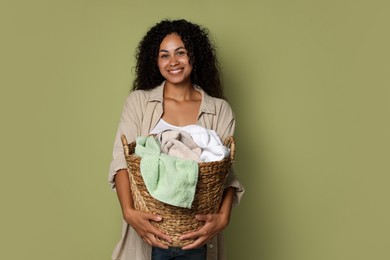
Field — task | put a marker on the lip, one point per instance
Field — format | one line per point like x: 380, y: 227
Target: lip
x: 175, y: 71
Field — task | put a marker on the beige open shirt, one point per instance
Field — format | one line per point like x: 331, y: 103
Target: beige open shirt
x: 141, y: 112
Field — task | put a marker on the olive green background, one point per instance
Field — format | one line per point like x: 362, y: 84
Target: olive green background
x: 308, y: 81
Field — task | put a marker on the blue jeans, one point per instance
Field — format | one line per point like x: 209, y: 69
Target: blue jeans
x: 176, y: 253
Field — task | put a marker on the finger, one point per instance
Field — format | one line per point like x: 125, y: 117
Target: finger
x: 204, y: 218
x: 152, y: 217
x: 156, y: 232
x: 150, y: 238
x: 147, y: 240
x: 192, y: 235
x: 156, y: 242
x: 196, y: 244
x: 162, y: 236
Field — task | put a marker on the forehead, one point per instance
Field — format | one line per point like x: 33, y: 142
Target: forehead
x: 171, y: 42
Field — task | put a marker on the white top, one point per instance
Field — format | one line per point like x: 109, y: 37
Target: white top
x: 162, y: 126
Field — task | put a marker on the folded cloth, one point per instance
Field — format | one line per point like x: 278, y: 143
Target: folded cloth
x: 179, y: 144
x: 212, y: 146
x: 168, y: 179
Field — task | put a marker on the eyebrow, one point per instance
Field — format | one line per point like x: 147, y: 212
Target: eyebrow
x: 181, y: 47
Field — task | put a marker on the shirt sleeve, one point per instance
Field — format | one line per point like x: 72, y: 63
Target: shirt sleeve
x: 129, y: 125
x: 225, y: 127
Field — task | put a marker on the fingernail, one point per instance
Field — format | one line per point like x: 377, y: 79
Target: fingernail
x: 158, y: 218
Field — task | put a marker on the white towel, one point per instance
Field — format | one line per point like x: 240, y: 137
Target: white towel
x: 212, y: 146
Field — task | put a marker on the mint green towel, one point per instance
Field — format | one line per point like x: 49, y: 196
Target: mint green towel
x: 169, y: 179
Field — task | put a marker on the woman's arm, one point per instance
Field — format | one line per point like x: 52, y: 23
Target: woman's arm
x: 214, y: 223
x: 139, y: 220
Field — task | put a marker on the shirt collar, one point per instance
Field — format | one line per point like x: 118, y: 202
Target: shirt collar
x: 206, y: 106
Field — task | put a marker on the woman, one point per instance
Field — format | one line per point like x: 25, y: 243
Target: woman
x: 177, y: 84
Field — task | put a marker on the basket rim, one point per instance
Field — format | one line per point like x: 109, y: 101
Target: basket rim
x: 228, y: 142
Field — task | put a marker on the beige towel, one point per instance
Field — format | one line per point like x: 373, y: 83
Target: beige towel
x: 179, y: 144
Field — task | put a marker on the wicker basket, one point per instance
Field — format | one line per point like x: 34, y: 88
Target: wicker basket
x: 176, y: 220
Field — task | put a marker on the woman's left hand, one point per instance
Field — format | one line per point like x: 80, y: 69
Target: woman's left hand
x: 214, y: 223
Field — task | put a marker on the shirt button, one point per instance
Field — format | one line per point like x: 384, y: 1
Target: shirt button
x: 211, y: 246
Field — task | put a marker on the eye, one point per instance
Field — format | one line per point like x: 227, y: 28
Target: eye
x: 181, y: 53
x: 164, y: 56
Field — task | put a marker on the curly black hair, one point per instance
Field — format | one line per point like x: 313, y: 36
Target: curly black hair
x: 205, y: 66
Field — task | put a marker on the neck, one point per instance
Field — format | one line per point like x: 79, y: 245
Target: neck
x: 181, y: 91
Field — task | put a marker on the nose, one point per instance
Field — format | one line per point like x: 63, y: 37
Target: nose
x: 173, y: 61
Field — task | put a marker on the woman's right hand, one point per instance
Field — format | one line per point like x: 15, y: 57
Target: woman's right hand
x: 140, y: 221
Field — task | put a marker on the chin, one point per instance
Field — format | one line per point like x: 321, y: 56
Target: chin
x: 177, y: 81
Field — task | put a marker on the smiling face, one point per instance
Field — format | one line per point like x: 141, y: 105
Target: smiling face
x: 173, y: 61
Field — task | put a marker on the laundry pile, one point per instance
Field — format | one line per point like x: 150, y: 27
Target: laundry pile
x: 169, y: 161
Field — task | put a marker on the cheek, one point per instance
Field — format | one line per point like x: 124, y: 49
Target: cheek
x: 185, y: 60
x: 190, y: 65
x: 160, y: 64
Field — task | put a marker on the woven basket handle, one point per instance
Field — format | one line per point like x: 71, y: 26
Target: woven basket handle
x: 229, y: 142
x: 125, y: 145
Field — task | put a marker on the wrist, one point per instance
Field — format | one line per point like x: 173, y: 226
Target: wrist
x: 224, y: 218
x: 128, y: 212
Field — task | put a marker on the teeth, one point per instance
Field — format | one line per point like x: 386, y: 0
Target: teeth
x: 177, y: 71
